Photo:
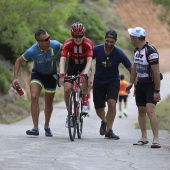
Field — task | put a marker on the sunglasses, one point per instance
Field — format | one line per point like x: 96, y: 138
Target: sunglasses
x: 47, y: 39
x: 78, y: 36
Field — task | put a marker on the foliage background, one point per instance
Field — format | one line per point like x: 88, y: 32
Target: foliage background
x: 19, y: 20
x: 165, y: 15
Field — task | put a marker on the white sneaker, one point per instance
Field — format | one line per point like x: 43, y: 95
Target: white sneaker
x: 85, y: 110
x: 71, y: 122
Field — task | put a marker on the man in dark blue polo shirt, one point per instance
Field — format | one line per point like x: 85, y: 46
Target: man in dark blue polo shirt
x: 107, y: 81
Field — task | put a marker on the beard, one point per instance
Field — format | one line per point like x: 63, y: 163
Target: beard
x: 109, y: 47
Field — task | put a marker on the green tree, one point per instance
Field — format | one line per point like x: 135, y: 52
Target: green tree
x: 5, y: 79
x: 95, y: 28
x: 19, y: 20
x: 165, y: 15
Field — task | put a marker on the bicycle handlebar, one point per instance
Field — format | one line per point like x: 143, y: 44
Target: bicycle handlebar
x: 73, y: 77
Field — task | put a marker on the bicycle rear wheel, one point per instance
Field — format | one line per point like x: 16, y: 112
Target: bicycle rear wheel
x: 79, y: 121
x: 71, y: 116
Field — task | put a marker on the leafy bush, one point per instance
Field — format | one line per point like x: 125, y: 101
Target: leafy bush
x: 164, y: 16
x: 125, y: 43
x: 95, y: 28
x: 5, y: 80
x: 4, y: 85
x: 19, y: 20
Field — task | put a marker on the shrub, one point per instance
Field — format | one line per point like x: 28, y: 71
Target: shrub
x: 5, y: 80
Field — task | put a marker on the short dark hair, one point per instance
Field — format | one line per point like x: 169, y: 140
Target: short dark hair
x: 111, y: 34
x: 38, y: 33
x: 122, y: 77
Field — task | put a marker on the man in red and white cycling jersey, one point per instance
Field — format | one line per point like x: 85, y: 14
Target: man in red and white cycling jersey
x: 79, y: 49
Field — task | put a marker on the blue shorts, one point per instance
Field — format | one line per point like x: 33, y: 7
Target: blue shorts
x: 49, y: 81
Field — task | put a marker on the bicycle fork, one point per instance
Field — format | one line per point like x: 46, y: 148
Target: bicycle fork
x: 77, y: 96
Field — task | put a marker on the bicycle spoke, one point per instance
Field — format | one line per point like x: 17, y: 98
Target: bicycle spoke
x: 79, y: 121
x: 71, y: 117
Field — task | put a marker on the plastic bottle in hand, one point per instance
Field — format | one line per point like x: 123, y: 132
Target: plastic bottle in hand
x: 18, y: 89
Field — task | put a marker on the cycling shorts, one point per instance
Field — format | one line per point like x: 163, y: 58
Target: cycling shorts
x: 74, y: 69
x: 123, y: 97
x: 103, y: 92
x: 144, y: 93
x: 47, y: 81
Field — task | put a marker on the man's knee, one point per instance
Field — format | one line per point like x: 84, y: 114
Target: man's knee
x: 111, y: 103
x: 150, y: 108
x: 100, y: 110
x: 34, y: 97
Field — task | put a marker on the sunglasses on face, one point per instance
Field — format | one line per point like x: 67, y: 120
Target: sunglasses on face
x: 47, y: 39
x: 78, y: 36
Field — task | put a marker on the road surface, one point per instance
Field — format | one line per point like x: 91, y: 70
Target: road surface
x: 93, y: 152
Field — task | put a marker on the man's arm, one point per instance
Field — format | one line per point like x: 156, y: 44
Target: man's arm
x: 88, y: 65
x: 133, y: 74
x: 62, y: 65
x: 132, y: 78
x: 156, y: 74
x: 129, y: 69
x: 16, y: 68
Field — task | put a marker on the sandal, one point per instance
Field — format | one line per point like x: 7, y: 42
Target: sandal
x: 48, y: 132
x: 34, y: 132
x: 155, y: 145
x: 140, y: 142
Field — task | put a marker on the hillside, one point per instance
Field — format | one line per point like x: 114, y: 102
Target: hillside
x: 144, y: 13
x: 133, y: 13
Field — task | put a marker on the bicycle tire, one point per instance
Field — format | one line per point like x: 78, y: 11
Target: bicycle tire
x: 71, y: 108
x: 79, y: 121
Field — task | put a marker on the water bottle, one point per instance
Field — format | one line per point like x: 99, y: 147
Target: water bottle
x: 18, y: 89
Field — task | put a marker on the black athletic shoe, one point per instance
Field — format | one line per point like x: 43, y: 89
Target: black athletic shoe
x: 33, y: 132
x: 111, y: 135
x: 125, y: 114
x: 103, y: 128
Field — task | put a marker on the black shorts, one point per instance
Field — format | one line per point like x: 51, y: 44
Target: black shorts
x: 124, y: 98
x: 48, y: 81
x: 74, y: 69
x: 144, y: 93
x: 101, y: 92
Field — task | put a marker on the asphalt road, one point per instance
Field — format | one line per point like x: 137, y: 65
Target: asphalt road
x: 93, y: 152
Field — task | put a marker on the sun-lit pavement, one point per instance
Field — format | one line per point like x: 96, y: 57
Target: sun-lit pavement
x: 21, y: 152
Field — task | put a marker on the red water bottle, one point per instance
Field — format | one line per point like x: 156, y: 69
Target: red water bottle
x: 18, y: 89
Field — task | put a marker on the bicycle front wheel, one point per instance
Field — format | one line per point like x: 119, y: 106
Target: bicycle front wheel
x: 79, y: 121
x: 71, y: 116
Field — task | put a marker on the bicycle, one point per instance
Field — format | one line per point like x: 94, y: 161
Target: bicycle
x: 75, y: 116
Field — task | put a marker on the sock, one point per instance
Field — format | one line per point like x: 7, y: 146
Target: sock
x: 124, y: 110
x: 85, y: 99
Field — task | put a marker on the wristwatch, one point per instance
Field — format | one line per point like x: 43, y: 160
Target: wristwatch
x: 156, y: 91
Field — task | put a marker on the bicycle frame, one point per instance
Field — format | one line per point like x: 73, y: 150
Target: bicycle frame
x: 75, y: 118
x: 77, y: 91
